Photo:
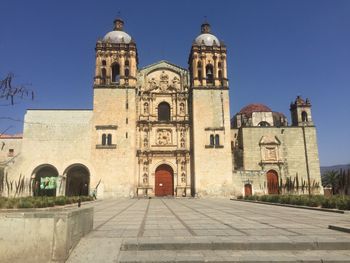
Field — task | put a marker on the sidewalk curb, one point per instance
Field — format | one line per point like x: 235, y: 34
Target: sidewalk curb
x: 294, y: 206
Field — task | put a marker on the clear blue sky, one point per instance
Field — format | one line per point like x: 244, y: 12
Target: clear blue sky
x: 276, y: 50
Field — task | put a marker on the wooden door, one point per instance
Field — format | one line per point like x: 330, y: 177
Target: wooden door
x: 164, y: 181
x: 272, y: 182
x: 247, y: 190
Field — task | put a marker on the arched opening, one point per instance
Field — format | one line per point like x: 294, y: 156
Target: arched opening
x: 248, y: 190
x: 145, y: 108
x: 45, y: 180
x: 272, y: 182
x: 209, y: 74
x: 103, y: 76
x: 164, y: 112
x: 217, y: 140
x: 304, y: 116
x: 78, y: 180
x: 212, y: 140
x: 199, y: 68
x: 115, y: 73
x: 109, y: 139
x: 104, y: 139
x: 264, y: 124
x: 104, y: 63
x: 164, y: 181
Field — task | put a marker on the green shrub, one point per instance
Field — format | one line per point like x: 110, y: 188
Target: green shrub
x: 60, y: 200
x: 25, y: 203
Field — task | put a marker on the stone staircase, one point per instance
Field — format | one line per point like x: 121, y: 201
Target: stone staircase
x: 235, y: 249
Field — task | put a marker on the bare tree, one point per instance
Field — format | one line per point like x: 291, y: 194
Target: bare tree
x: 9, y: 91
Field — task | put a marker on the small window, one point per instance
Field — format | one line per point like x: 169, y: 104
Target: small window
x: 164, y: 112
x: 126, y: 105
x: 104, y: 139
x: 109, y: 139
x: 104, y: 63
x: 127, y: 64
x: 126, y: 135
x: 212, y: 139
x: 126, y: 120
x: 217, y: 140
x: 219, y: 65
x: 11, y: 153
x: 115, y: 73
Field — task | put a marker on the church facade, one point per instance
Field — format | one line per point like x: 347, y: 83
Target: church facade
x: 163, y: 130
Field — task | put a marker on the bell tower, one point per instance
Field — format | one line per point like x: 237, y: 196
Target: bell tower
x: 116, y: 58
x: 301, y: 112
x: 207, y: 60
x: 113, y: 144
x: 210, y: 116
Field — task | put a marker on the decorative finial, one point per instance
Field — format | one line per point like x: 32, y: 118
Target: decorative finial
x: 118, y: 23
x: 205, y: 28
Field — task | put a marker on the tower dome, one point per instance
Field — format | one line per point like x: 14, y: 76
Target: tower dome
x: 118, y: 36
x: 206, y: 38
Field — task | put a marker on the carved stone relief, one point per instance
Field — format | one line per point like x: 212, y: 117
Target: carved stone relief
x: 164, y: 137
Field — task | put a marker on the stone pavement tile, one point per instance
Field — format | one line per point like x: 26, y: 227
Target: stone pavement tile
x: 96, y: 250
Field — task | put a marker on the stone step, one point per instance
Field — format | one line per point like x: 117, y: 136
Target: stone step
x: 223, y: 256
x: 239, y: 243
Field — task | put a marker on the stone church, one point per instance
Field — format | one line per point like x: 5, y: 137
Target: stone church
x: 162, y: 130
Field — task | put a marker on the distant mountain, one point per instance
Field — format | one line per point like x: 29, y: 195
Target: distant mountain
x: 325, y: 169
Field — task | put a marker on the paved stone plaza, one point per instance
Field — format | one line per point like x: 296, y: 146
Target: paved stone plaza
x: 210, y: 230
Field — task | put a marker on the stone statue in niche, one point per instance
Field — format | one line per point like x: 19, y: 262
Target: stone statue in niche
x: 145, y: 108
x: 164, y: 137
x: 145, y: 179
x: 164, y: 81
x: 182, y: 143
x: 182, y: 108
x: 175, y: 83
x: 145, y: 142
x: 183, y: 179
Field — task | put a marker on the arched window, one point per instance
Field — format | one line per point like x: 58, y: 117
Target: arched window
x: 126, y: 71
x: 304, y: 116
x: 103, y: 76
x: 199, y: 67
x: 109, y: 139
x: 212, y: 139
x: 219, y: 65
x: 115, y: 73
x: 209, y: 73
x: 264, y: 124
x: 217, y: 140
x: 163, y: 112
x: 104, y: 139
x: 104, y: 63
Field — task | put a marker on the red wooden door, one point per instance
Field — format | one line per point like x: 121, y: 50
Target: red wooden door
x: 247, y: 190
x: 164, y: 181
x: 272, y: 182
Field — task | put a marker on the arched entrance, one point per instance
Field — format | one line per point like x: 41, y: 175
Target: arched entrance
x: 45, y: 180
x: 78, y: 180
x: 272, y: 182
x: 247, y: 190
x: 164, y: 180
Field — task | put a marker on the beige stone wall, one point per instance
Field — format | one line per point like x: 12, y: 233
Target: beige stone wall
x: 212, y: 166
x: 115, y: 165
x: 60, y: 138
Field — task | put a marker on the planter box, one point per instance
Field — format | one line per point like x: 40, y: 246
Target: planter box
x: 42, y: 235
